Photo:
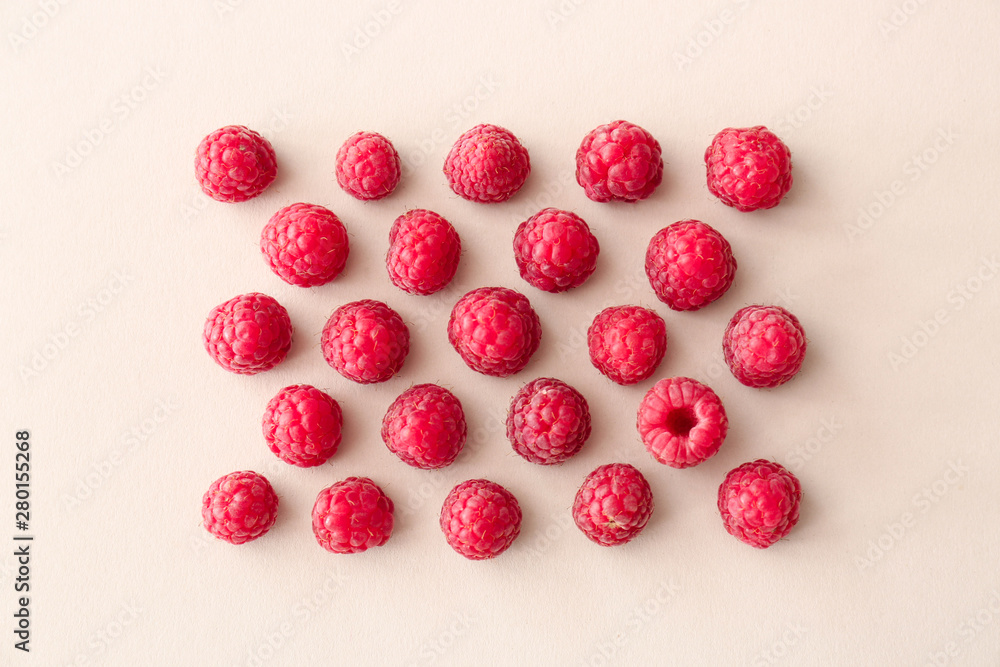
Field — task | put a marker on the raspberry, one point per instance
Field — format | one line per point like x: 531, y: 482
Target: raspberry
x: 425, y: 427
x: 619, y: 162
x: 689, y: 265
x: 495, y: 330
x: 748, y: 168
x: 682, y: 422
x: 239, y: 507
x: 352, y: 516
x: 365, y: 341
x: 548, y: 421
x: 613, y: 505
x: 487, y: 164
x: 424, y: 250
x: 302, y: 425
x: 305, y: 245
x: 764, y: 346
x: 480, y: 519
x: 248, y: 334
x: 555, y: 250
x: 627, y: 343
x: 234, y: 164
x: 368, y: 166
x: 759, y: 502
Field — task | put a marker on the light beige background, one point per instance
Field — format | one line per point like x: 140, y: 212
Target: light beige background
x: 113, y: 259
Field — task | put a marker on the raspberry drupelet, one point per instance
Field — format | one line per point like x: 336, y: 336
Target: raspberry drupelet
x: 248, y: 334
x: 425, y: 427
x: 555, y: 250
x: 627, y: 343
x: 239, y: 507
x: 689, y: 265
x: 619, y: 161
x: 487, y: 164
x: 759, y: 502
x: 613, y: 505
x: 495, y: 330
x: 749, y: 168
x: 480, y: 519
x: 365, y: 341
x: 682, y: 422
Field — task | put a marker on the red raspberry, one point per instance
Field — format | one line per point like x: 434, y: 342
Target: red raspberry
x: 627, y: 343
x: 365, y: 341
x: 302, y: 425
x: 555, y: 250
x: 689, y: 265
x: 619, y: 162
x: 368, y: 166
x: 480, y: 519
x: 764, y: 346
x: 248, y: 334
x: 613, y: 505
x: 234, y: 164
x: 424, y: 250
x: 487, y: 164
x: 548, y: 421
x: 682, y: 422
x: 305, y: 245
x: 759, y: 502
x: 749, y: 168
x: 239, y: 507
x: 352, y: 516
x: 495, y: 330
x: 425, y: 427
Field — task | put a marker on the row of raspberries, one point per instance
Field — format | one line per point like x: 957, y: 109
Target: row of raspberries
x: 496, y: 331
x: 480, y: 519
x: 688, y: 263
x: 747, y: 168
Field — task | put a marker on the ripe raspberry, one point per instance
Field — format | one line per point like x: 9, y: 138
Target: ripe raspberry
x: 305, y: 245
x: 613, y: 505
x: 689, y: 265
x: 495, y: 330
x: 759, y: 502
x: 749, y: 168
x: 424, y: 250
x: 555, y: 250
x: 239, y: 507
x: 365, y: 341
x: 487, y: 164
x: 302, y: 425
x: 682, y: 422
x: 764, y: 346
x: 368, y: 166
x: 480, y: 519
x: 425, y: 427
x: 627, y: 343
x: 248, y: 334
x: 548, y: 421
x: 234, y: 164
x: 619, y: 162
x: 352, y: 516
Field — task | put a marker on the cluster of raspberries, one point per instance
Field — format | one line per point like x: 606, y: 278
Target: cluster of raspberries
x: 495, y: 330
